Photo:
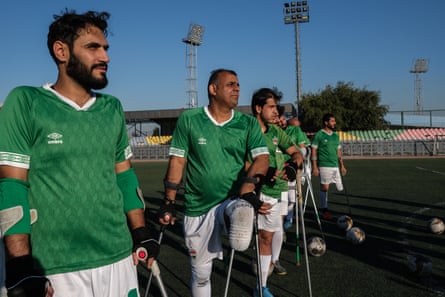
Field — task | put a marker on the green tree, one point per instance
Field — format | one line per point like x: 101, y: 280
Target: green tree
x: 354, y: 108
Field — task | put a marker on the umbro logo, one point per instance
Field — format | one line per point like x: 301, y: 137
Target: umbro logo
x: 55, y: 138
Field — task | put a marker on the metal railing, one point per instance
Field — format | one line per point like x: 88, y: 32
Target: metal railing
x: 393, y: 148
x: 370, y: 148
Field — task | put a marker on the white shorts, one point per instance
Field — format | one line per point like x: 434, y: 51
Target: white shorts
x: 271, y: 222
x: 283, y: 203
x: 331, y: 175
x: 203, y: 234
x: 115, y: 280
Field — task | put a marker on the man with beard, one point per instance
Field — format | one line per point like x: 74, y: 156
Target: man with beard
x: 65, y: 155
x: 326, y: 160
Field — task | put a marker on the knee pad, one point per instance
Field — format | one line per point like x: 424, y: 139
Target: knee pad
x: 240, y: 215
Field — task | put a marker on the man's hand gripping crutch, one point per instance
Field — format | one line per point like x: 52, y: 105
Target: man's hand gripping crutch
x: 166, y: 215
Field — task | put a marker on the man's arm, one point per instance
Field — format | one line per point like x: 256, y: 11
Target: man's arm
x: 136, y: 216
x: 340, y: 162
x: 173, y: 176
x: 134, y: 207
x: 259, y: 166
x: 172, y: 183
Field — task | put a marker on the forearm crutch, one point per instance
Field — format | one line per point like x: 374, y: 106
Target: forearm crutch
x: 155, y: 271
x: 301, y: 215
x: 232, y: 254
x: 257, y: 257
x: 258, y: 260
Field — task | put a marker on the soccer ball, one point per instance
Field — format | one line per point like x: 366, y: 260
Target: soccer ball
x: 419, y: 265
x: 316, y: 246
x: 344, y: 222
x: 436, y: 225
x: 355, y: 235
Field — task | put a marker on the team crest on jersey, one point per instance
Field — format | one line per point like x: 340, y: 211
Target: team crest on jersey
x: 275, y: 140
x: 55, y: 138
x: 202, y: 140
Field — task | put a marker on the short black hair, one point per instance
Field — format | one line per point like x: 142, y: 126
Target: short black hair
x: 260, y: 97
x: 327, y: 117
x: 214, y: 75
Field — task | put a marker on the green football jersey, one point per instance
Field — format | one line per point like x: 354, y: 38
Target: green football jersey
x: 70, y: 155
x: 215, y: 154
x: 327, y: 148
x: 297, y: 136
x: 277, y: 142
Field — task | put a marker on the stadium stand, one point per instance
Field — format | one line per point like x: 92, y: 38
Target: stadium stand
x: 138, y: 141
x: 158, y: 140
x: 394, y: 142
x: 396, y: 134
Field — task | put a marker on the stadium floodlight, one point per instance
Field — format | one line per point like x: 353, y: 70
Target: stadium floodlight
x: 419, y: 66
x: 194, y: 35
x: 296, y: 12
x: 193, y: 40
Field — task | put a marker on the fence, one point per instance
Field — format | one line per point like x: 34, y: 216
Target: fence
x: 372, y: 148
x: 393, y: 148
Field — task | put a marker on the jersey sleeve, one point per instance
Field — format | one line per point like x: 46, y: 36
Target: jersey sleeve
x: 316, y: 140
x: 285, y: 141
x: 256, y: 143
x: 179, y: 143
x: 15, y: 129
x: 123, y: 149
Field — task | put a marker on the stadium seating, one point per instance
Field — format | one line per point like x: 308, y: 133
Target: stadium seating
x: 138, y: 141
x: 350, y: 136
x: 157, y: 140
x: 395, y: 134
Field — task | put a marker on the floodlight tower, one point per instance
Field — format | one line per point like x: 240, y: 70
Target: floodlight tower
x: 297, y: 12
x: 192, y: 41
x: 419, y: 66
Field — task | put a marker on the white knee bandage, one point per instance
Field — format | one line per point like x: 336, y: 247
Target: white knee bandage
x: 240, y: 213
x: 200, y: 281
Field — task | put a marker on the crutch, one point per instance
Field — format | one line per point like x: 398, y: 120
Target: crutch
x: 232, y: 254
x: 301, y: 215
x: 155, y: 271
x: 257, y: 256
x: 310, y: 192
x: 258, y: 260
x: 346, y: 194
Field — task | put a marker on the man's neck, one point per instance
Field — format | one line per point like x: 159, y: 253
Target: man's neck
x: 72, y: 91
x: 220, y: 115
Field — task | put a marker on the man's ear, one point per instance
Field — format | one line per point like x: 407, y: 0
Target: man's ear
x: 61, y: 51
x: 212, y: 89
x: 258, y: 109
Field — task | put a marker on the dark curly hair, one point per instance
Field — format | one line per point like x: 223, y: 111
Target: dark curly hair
x: 67, y: 25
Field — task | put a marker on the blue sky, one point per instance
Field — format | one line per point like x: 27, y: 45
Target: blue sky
x: 371, y: 43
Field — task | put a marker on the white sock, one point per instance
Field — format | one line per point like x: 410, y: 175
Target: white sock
x: 277, y: 242
x: 265, y: 263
